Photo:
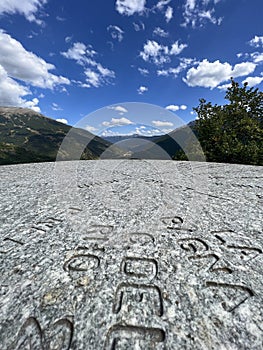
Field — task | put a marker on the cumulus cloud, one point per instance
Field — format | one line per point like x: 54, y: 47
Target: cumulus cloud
x: 142, y: 90
x: 162, y: 3
x: 257, y: 41
x: 224, y: 86
x: 129, y: 7
x: 160, y: 54
x: 92, y: 78
x: 26, y: 66
x: 96, y: 74
x: 197, y: 13
x: 90, y: 128
x: 117, y: 121
x: 27, y: 8
x: 175, y: 108
x: 11, y: 92
x: 115, y: 32
x: 253, y: 81
x: 257, y: 57
x: 177, y: 48
x: 169, y: 14
x: 62, y: 120
x: 211, y: 74
x: 80, y: 53
x: 160, y: 123
x: 160, y: 32
x: 18, y: 64
x: 174, y: 71
x: 163, y: 7
x: 120, y: 109
x: 242, y: 69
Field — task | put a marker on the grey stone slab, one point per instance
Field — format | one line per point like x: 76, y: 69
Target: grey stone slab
x: 131, y: 254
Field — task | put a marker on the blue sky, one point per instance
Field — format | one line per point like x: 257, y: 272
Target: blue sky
x: 69, y: 58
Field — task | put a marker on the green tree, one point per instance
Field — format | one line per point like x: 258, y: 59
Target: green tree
x: 233, y: 132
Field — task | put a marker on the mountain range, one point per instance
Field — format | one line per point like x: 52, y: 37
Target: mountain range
x: 27, y: 136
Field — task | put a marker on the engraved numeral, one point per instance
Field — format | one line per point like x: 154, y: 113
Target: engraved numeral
x: 140, y: 293
x: 193, y: 245
x: 141, y: 238
x: 172, y: 222
x: 233, y: 295
x: 132, y: 333
x: 139, y: 267
x: 215, y: 265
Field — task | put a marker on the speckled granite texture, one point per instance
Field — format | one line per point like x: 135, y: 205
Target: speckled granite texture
x: 131, y: 254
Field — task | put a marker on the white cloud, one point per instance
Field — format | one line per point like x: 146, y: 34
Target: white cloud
x: 27, y: 8
x: 115, y: 32
x: 224, y: 86
x: 26, y: 66
x: 169, y: 14
x: 174, y: 71
x: 177, y: 48
x: 121, y: 110
x: 60, y: 19
x: 138, y: 26
x: 68, y: 39
x: 166, y: 10
x: 175, y: 108
x: 197, y: 13
x: 32, y: 105
x: 183, y: 107
x: 92, y: 78
x: 253, y: 81
x: 172, y: 108
x: 211, y: 74
x: 80, y: 53
x: 96, y: 74
x: 18, y: 64
x: 257, y: 41
x: 160, y: 32
x: 90, y: 128
x: 129, y: 7
x: 160, y: 54
x: 116, y: 121
x: 56, y: 107
x: 243, y: 69
x: 257, y: 57
x: 160, y: 123
x: 160, y: 5
x: 153, y: 51
x: 62, y: 120
x: 143, y: 71
x: 142, y: 90
x: 11, y: 93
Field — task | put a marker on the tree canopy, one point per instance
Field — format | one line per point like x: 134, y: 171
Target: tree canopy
x: 232, y: 133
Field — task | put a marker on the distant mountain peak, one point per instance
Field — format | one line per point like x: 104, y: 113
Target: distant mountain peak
x: 27, y: 136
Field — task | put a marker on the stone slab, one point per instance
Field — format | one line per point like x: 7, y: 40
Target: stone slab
x: 131, y: 254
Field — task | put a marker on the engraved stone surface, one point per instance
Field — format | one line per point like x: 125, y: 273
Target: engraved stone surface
x: 131, y: 254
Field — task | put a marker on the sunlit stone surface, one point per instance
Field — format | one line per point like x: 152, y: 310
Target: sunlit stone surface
x: 119, y: 254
